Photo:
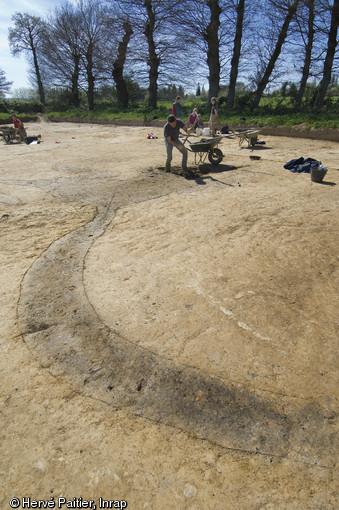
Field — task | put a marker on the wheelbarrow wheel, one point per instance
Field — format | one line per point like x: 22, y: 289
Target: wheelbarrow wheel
x: 17, y: 137
x: 253, y: 140
x: 215, y: 156
x: 6, y: 138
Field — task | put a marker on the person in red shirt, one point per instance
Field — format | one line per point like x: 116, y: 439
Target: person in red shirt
x: 195, y: 120
x: 20, y: 126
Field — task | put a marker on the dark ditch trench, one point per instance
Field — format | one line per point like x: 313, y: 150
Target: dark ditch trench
x: 63, y: 331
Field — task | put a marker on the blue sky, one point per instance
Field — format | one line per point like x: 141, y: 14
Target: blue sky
x: 16, y: 68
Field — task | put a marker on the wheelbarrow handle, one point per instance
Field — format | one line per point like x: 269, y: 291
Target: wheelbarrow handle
x: 191, y: 128
x: 186, y: 138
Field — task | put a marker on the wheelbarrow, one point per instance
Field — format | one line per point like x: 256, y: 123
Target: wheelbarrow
x: 250, y: 136
x: 206, y: 148
x: 10, y: 134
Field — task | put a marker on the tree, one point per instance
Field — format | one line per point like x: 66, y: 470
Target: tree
x: 153, y: 56
x: 4, y: 84
x: 27, y: 36
x: 290, y: 9
x: 240, y: 7
x: 118, y: 66
x: 201, y: 21
x: 308, y: 51
x: 62, y: 55
x: 214, y: 31
x: 88, y: 44
x: 77, y: 49
x: 94, y: 36
x: 211, y: 36
x: 25, y: 94
x: 158, y: 44
x: 331, y: 48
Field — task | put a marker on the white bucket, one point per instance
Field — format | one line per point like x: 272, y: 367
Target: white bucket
x: 206, y: 131
x: 198, y: 131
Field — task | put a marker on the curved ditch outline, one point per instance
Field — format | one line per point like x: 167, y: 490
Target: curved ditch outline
x: 59, y: 324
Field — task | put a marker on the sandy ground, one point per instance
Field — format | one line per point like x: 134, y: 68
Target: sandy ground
x: 167, y: 342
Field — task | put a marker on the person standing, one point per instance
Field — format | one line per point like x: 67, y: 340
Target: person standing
x: 20, y: 126
x: 214, y: 118
x: 177, y: 108
x: 171, y: 135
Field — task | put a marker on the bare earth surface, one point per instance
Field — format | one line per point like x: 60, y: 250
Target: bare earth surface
x: 167, y: 342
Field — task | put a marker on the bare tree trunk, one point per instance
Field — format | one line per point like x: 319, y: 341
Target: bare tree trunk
x: 236, y: 54
x: 28, y: 36
x: 153, y: 59
x: 118, y: 66
x: 292, y: 9
x: 331, y: 47
x: 90, y: 77
x: 308, y: 53
x: 38, y: 77
x: 211, y: 37
x: 75, y: 82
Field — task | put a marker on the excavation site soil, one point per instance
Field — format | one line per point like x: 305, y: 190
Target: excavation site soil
x: 167, y: 342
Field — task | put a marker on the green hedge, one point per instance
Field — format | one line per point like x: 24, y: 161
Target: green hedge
x: 272, y: 111
x: 5, y: 118
x: 19, y: 107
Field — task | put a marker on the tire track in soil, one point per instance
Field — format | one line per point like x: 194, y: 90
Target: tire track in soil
x: 63, y: 331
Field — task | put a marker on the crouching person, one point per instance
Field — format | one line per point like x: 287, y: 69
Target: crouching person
x: 19, y: 126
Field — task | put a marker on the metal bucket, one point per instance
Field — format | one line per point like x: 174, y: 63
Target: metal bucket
x: 317, y: 174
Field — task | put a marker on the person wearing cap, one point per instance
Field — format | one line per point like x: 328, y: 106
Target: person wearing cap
x: 171, y: 135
